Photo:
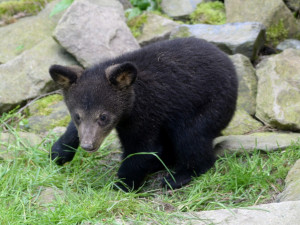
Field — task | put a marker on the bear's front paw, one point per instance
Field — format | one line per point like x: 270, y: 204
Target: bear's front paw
x: 58, y: 160
x: 177, y: 180
x: 61, y: 154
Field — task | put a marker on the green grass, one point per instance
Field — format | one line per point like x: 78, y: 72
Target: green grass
x: 86, y: 184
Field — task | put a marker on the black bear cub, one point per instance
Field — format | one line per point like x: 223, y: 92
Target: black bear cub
x: 172, y: 98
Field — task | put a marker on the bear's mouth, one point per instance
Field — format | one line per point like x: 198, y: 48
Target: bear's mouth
x: 91, y: 150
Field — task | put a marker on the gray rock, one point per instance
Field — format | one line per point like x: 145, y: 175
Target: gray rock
x: 126, y: 4
x: 26, y: 33
x: 244, y: 38
x: 156, y: 28
x: 286, y: 213
x: 179, y: 8
x: 58, y: 131
x: 242, y: 123
x: 261, y: 141
x: 99, y: 33
x: 116, y: 4
x: 289, y: 43
x: 269, y: 13
x: 247, y: 83
x: 12, y: 145
x: 292, y: 185
x: 278, y: 92
x: 27, y: 77
x: 58, y: 113
x: 47, y: 195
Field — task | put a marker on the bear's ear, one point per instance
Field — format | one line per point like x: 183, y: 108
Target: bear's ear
x: 65, y: 76
x: 121, y: 75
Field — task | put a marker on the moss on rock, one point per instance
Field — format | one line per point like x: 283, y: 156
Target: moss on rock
x: 209, y: 13
x: 48, y: 113
x: 10, y: 8
x: 42, y: 106
x: 136, y: 24
x: 276, y: 33
x: 63, y: 122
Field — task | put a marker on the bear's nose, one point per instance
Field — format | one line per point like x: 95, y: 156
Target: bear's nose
x: 87, y: 146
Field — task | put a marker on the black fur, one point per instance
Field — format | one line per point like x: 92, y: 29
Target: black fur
x: 65, y: 148
x: 183, y: 96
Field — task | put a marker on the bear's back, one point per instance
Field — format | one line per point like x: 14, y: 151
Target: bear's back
x: 189, y: 61
x: 182, y: 76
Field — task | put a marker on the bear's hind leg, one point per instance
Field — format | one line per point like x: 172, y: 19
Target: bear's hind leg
x: 194, y: 154
x: 135, y: 167
x: 64, y: 149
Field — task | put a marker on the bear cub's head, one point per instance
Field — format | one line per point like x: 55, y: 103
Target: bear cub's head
x: 97, y: 98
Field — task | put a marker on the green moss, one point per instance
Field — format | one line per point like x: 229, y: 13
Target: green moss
x: 209, y: 13
x: 10, y: 8
x: 136, y: 24
x: 276, y: 33
x: 61, y: 123
x: 41, y: 106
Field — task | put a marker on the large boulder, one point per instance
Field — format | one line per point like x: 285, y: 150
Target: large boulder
x: 269, y: 13
x: 156, y: 28
x: 99, y: 32
x: 278, y: 93
x: 244, y: 38
x: 242, y: 123
x: 26, y: 33
x: 265, y: 214
x: 26, y: 76
x: 116, y: 4
x: 247, y: 83
x: 265, y: 141
x: 179, y: 8
x: 292, y: 185
x: 288, y: 43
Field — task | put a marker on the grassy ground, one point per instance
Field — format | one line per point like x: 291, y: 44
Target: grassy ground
x: 87, y: 197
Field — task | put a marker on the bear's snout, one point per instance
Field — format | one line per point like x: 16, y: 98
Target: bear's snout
x: 88, y: 146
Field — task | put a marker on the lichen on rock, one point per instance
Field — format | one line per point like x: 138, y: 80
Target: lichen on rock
x: 278, y: 93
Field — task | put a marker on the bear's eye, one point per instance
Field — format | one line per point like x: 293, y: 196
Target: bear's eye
x: 103, y: 117
x: 77, y: 117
